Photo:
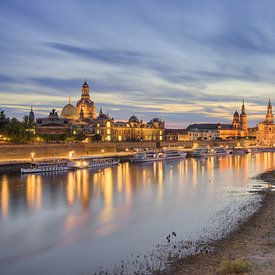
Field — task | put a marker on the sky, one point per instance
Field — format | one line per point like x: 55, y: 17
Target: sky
x: 184, y: 61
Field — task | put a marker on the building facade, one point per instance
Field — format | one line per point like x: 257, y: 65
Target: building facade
x: 131, y: 130
x: 265, y: 130
x: 52, y: 125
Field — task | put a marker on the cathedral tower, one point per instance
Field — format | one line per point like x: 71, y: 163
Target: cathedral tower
x: 243, y: 119
x: 86, y: 104
x: 236, y: 120
x: 269, y: 116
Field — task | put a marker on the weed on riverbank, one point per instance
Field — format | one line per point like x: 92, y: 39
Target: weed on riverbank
x: 228, y: 266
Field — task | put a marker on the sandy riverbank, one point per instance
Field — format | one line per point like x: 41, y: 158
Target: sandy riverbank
x: 254, y: 240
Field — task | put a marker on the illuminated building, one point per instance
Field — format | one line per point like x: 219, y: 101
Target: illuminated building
x: 131, y: 130
x: 85, y: 106
x: 52, y: 125
x: 176, y: 135
x: 265, y: 130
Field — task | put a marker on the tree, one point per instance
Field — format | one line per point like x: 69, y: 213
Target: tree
x: 97, y: 137
x: 4, y: 121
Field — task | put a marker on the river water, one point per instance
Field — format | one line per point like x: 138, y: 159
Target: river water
x: 120, y: 218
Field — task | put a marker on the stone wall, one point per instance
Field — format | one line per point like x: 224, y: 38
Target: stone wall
x: 11, y: 152
x: 14, y: 152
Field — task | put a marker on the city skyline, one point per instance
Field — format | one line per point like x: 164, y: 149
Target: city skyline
x: 183, y: 62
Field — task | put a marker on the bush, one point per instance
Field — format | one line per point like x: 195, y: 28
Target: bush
x: 234, y: 266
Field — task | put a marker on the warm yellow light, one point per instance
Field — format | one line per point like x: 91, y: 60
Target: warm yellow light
x: 119, y: 138
x: 71, y: 154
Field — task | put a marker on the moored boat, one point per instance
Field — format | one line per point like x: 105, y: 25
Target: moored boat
x: 220, y: 151
x: 92, y: 163
x: 239, y: 151
x: 202, y: 152
x: 42, y: 167
x: 149, y: 156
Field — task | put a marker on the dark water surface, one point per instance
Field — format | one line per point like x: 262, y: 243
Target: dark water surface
x: 77, y: 221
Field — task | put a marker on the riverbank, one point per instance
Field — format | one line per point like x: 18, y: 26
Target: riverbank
x: 253, y: 242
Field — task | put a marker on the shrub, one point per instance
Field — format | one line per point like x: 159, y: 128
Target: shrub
x: 234, y: 266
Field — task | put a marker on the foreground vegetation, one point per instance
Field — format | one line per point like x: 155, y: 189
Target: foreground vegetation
x: 228, y: 266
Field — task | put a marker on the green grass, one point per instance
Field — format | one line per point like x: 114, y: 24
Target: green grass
x: 234, y: 266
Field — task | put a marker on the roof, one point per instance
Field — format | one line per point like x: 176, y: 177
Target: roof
x: 209, y: 126
x: 176, y: 131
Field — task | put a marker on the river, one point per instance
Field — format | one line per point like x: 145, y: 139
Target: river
x: 121, y: 217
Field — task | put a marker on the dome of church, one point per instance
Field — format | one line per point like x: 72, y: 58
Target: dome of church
x: 156, y: 119
x: 133, y: 118
x: 236, y: 113
x: 69, y: 111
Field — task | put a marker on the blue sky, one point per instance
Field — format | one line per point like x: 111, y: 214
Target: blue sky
x: 183, y: 61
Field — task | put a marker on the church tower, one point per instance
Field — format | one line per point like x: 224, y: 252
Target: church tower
x: 236, y: 120
x: 31, y: 116
x: 269, y: 116
x: 86, y: 104
x: 243, y: 119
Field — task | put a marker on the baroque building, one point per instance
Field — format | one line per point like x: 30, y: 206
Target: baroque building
x: 131, y: 130
x: 52, y: 125
x: 85, y: 106
x: 265, y: 130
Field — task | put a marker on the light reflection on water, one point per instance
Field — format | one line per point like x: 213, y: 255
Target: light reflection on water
x: 90, y: 219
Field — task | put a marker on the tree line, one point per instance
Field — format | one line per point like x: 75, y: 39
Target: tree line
x: 14, y: 130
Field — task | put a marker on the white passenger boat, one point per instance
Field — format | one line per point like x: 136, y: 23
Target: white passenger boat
x: 240, y: 151
x: 149, y: 156
x: 202, y: 152
x: 43, y: 167
x: 92, y: 163
x: 174, y: 154
x: 220, y: 151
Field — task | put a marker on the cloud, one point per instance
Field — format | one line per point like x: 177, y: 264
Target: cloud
x: 185, y: 61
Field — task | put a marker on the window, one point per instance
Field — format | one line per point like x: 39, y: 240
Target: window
x: 108, y: 124
x: 108, y: 131
x: 108, y: 138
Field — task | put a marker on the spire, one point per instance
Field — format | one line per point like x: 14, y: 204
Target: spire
x: 100, y: 111
x: 269, y: 102
x: 69, y: 100
x: 243, y: 107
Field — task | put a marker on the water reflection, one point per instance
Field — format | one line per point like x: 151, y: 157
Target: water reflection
x: 82, y: 185
x: 121, y: 204
x: 4, y: 196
